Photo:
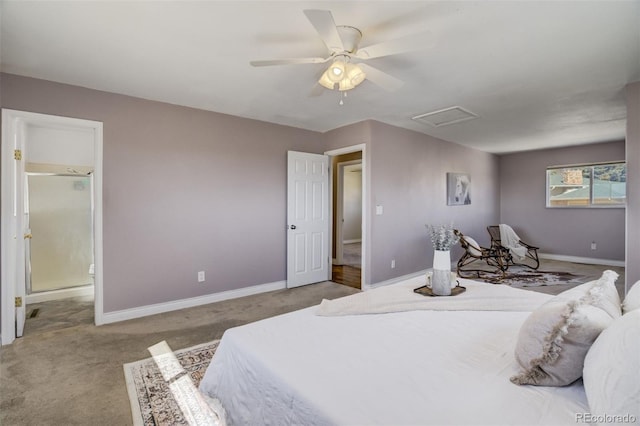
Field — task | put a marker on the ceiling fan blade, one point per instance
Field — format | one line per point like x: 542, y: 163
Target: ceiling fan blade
x: 394, y: 47
x: 322, y: 21
x: 317, y: 90
x: 290, y: 61
x: 381, y: 78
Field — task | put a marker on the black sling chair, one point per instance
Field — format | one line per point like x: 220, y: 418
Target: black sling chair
x: 530, y: 259
x: 478, y: 261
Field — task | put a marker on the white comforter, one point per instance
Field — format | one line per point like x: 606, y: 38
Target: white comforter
x: 406, y: 368
x: 400, y: 297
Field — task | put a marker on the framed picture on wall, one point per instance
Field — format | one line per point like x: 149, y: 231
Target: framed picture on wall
x: 458, y: 189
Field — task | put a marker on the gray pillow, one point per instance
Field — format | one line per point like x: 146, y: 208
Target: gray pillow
x: 556, y: 337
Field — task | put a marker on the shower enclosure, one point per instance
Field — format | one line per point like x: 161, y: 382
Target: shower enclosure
x: 60, y: 248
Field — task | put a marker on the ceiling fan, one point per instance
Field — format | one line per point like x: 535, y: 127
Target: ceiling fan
x: 347, y: 69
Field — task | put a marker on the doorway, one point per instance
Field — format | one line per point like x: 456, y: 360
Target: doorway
x: 51, y: 175
x: 347, y: 172
x: 58, y: 213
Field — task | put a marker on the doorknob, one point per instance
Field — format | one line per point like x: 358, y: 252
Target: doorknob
x: 292, y: 227
x: 28, y: 236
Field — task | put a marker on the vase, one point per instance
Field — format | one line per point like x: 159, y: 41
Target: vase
x: 441, y: 278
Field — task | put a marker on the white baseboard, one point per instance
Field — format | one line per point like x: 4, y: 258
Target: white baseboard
x: 577, y: 259
x: 65, y: 293
x: 159, y: 308
x: 394, y: 280
x: 351, y: 241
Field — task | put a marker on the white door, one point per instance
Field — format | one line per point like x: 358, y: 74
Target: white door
x: 25, y: 234
x: 13, y: 227
x: 308, y: 218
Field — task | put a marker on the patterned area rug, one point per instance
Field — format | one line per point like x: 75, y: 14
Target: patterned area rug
x: 518, y: 276
x: 176, y: 401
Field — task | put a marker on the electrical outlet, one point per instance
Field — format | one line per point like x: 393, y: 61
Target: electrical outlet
x: 201, y: 276
x: 593, y: 245
x: 393, y: 263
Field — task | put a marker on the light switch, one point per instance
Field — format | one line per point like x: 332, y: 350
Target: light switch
x: 379, y: 210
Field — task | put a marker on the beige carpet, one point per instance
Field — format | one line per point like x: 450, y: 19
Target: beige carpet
x: 74, y: 375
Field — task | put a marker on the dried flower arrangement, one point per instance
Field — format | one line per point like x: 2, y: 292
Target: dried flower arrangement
x: 442, y: 236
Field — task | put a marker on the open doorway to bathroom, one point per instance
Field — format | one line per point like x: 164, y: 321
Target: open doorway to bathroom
x: 58, y: 211
x: 347, y: 224
x: 51, y: 194
x: 59, y: 253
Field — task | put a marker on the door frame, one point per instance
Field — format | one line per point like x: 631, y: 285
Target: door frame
x: 365, y: 211
x: 339, y: 219
x: 12, y: 121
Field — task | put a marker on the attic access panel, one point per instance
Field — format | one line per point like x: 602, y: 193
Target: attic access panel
x: 445, y: 117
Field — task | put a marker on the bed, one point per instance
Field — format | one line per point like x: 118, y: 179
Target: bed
x: 414, y: 365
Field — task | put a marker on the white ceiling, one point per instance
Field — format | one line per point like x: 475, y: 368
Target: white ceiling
x: 539, y: 74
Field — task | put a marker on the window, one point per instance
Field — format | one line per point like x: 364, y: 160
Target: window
x: 587, y: 185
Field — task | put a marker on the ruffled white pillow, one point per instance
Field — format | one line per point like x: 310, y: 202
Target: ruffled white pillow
x: 611, y: 372
x: 555, y: 338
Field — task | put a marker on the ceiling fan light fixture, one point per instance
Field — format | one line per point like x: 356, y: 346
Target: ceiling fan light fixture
x: 345, y: 84
x: 337, y: 70
x: 326, y: 82
x: 355, y: 74
x: 343, y: 44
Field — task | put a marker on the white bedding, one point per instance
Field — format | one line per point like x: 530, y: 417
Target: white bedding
x: 406, y: 368
x: 400, y: 297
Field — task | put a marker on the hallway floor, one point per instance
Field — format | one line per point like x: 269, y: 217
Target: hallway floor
x: 350, y: 272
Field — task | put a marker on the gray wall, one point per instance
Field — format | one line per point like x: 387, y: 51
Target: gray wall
x: 188, y: 190
x: 352, y: 204
x: 358, y: 134
x: 184, y: 190
x: 408, y: 178
x: 353, y: 134
x: 632, y: 272
x: 565, y: 231
x: 406, y: 173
